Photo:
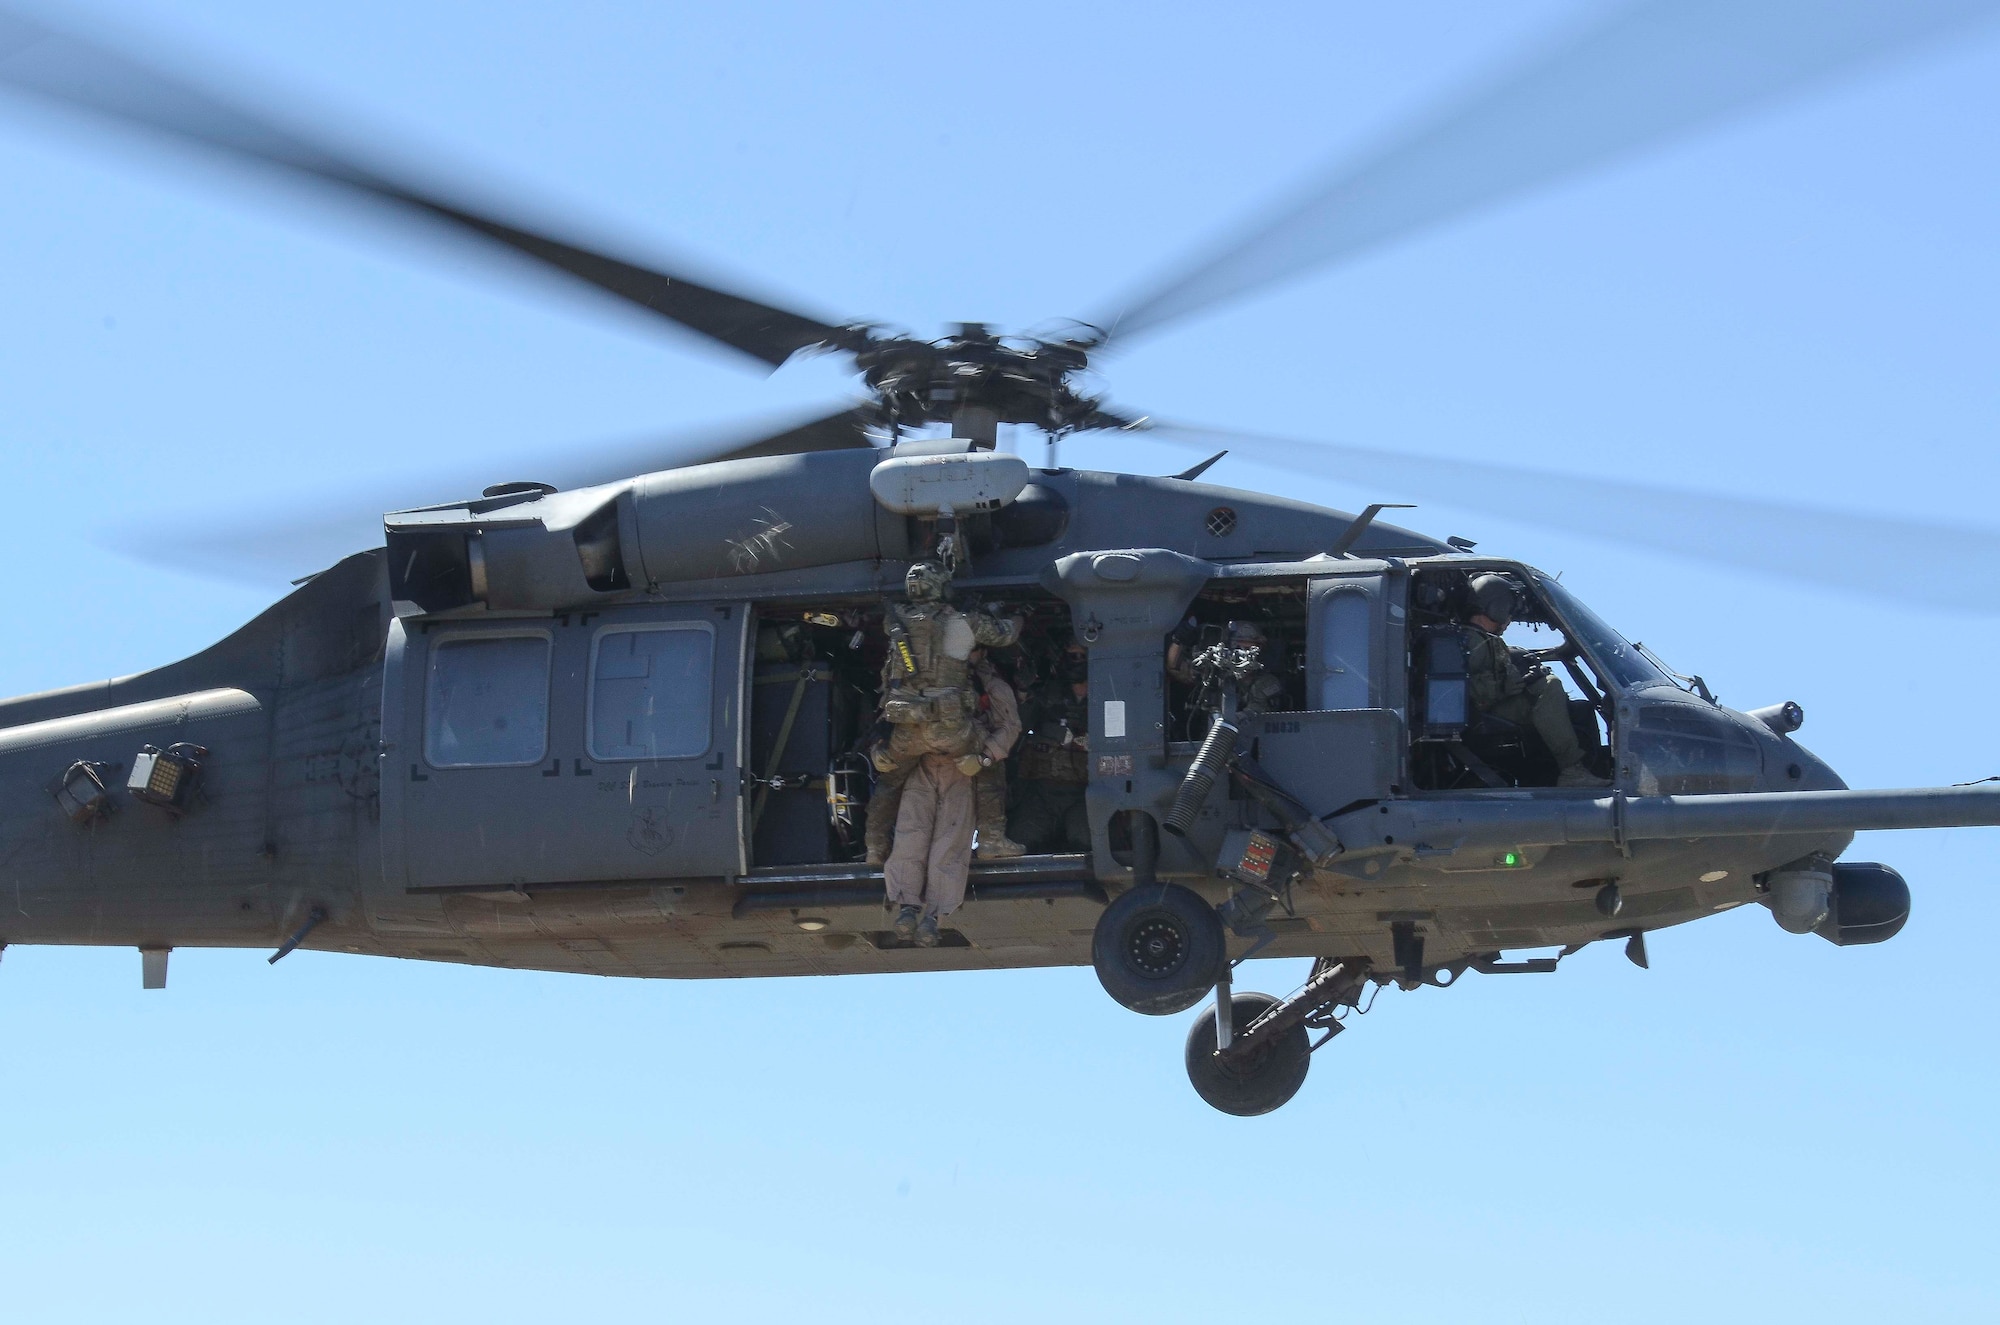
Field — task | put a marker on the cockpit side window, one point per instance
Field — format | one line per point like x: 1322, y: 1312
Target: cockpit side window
x: 1503, y: 692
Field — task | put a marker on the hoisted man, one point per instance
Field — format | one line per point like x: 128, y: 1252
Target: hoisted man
x: 934, y: 749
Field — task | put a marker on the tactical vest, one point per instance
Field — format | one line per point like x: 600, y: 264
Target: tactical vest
x: 932, y: 682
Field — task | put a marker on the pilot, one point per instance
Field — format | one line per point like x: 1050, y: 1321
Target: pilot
x: 1055, y: 760
x: 1511, y: 684
x: 928, y: 700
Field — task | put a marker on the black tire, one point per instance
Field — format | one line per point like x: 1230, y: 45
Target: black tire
x: 1158, y: 949
x: 1258, y: 1084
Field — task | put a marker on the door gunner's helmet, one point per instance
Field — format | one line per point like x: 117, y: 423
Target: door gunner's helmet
x: 1496, y: 597
x: 925, y: 581
x: 1246, y: 635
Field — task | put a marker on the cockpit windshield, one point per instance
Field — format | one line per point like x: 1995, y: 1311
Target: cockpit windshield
x: 1610, y: 650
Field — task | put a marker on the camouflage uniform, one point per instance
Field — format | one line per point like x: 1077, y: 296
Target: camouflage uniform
x: 1054, y: 772
x: 933, y: 709
x: 1263, y: 693
x: 1520, y: 691
x: 999, y: 723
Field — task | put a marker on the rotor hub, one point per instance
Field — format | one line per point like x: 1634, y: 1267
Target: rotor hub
x: 975, y: 381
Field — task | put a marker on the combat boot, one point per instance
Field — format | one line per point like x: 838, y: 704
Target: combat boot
x: 906, y: 924
x: 927, y: 931
x: 1576, y: 775
x: 998, y: 847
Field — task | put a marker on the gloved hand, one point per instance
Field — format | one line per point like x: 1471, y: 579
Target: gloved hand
x: 971, y: 765
x: 879, y: 756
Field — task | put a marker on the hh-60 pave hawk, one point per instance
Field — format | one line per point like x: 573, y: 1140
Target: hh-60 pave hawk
x: 616, y: 729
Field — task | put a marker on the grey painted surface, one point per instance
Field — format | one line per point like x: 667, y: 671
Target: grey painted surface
x: 319, y: 793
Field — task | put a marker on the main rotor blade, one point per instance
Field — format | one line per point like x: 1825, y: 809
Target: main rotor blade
x: 281, y: 542
x: 83, y: 75
x: 1906, y: 561
x: 1652, y: 71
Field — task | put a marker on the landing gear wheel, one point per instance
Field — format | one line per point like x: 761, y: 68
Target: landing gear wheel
x: 1158, y: 949
x: 1258, y: 1083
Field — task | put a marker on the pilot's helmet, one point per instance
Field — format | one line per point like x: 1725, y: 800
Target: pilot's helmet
x: 1246, y: 635
x: 925, y: 581
x: 1496, y: 597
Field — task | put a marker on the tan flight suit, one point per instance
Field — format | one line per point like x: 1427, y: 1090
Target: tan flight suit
x: 997, y: 724
x: 1527, y: 697
x: 935, y: 710
x: 933, y: 851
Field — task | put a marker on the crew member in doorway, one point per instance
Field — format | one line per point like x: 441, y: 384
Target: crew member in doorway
x: 928, y: 701
x: 1239, y: 662
x: 999, y: 724
x: 926, y: 871
x: 1511, y: 684
x: 1049, y: 813
x: 1264, y: 691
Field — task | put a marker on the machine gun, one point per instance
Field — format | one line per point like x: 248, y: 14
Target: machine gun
x: 1221, y: 671
x: 1263, y: 864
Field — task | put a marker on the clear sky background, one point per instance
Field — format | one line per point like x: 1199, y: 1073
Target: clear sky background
x: 1800, y: 306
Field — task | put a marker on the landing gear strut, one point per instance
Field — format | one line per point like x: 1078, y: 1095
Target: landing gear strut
x: 1250, y: 1055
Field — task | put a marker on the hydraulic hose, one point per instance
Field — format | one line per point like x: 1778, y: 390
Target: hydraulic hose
x: 1217, y: 748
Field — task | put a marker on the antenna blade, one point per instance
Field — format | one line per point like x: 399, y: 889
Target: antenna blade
x: 1649, y: 73
x: 1196, y: 470
x: 83, y: 75
x: 1935, y: 565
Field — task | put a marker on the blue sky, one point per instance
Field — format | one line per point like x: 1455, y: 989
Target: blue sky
x: 1798, y: 306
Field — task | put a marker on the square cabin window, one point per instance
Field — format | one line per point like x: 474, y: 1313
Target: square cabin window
x: 651, y: 689
x: 487, y: 704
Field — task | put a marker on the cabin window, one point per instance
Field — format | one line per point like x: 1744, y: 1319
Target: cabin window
x: 487, y: 703
x: 651, y: 691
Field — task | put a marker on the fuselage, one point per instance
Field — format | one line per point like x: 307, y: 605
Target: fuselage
x: 329, y: 785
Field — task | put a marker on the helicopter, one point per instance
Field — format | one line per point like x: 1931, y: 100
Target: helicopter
x: 609, y: 729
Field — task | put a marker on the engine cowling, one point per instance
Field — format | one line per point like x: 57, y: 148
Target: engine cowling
x: 529, y: 547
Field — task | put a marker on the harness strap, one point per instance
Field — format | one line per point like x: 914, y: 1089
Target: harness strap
x: 806, y: 674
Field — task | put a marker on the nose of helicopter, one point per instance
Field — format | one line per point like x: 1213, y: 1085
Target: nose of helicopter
x: 1799, y: 769
x: 1789, y: 766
